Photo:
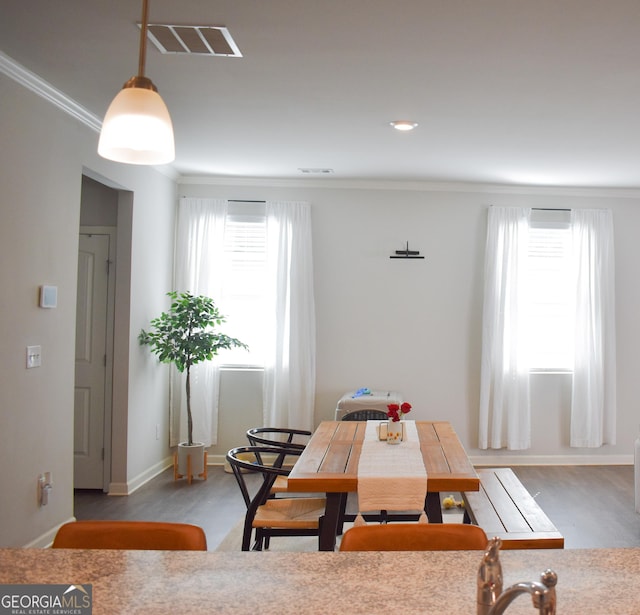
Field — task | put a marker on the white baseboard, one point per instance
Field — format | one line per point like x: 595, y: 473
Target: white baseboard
x: 129, y: 487
x: 496, y: 459
x: 45, y: 540
x: 511, y: 459
x: 216, y: 460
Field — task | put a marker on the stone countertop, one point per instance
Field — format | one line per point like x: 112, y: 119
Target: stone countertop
x: 590, y: 581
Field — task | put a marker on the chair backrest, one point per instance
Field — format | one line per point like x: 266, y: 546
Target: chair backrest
x: 267, y: 460
x: 147, y: 535
x: 414, y: 537
x: 365, y: 415
x: 278, y: 436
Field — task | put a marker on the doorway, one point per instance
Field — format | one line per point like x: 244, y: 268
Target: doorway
x: 93, y: 399
x: 94, y: 332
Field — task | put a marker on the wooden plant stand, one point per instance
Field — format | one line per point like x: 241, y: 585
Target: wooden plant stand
x: 189, y: 474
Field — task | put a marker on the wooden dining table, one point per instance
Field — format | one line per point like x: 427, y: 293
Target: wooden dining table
x: 329, y: 464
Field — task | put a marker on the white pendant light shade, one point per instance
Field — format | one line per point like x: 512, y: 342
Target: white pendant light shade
x: 137, y: 129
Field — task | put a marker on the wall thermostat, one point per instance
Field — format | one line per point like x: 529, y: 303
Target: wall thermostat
x: 48, y: 296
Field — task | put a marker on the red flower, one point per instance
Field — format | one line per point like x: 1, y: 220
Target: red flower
x: 393, y: 412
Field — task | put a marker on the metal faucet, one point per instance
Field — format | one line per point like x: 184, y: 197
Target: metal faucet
x: 493, y: 601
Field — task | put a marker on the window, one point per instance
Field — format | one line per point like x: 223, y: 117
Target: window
x: 242, y: 298
x: 255, y: 260
x: 550, y: 292
x: 538, y: 271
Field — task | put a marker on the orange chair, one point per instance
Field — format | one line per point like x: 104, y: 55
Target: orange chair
x: 146, y: 535
x: 414, y: 537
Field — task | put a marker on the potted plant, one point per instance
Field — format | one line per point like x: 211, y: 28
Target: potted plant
x: 185, y: 336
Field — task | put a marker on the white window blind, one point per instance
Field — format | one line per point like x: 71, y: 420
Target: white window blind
x: 551, y: 296
x: 243, y: 285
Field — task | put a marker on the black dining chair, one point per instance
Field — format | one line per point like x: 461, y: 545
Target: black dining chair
x: 278, y: 436
x: 267, y: 515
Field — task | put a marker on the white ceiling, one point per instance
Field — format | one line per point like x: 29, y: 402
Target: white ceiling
x: 537, y: 92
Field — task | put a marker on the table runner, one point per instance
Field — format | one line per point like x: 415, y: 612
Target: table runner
x: 391, y: 476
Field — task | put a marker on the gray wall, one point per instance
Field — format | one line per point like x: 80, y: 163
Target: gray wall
x: 99, y: 204
x: 412, y: 326
x: 415, y: 326
x: 45, y: 156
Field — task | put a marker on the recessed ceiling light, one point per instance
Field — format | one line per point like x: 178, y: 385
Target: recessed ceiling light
x: 403, y: 125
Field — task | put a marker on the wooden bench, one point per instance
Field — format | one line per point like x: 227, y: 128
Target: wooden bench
x: 504, y: 508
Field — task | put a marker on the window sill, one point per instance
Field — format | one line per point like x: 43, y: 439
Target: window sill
x: 241, y: 368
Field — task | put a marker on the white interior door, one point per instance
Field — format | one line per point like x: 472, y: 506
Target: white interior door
x: 91, y: 352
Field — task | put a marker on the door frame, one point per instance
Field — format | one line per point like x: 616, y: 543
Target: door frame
x: 111, y: 231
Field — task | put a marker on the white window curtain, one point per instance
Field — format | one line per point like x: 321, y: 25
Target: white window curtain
x: 289, y: 375
x: 199, y: 246
x: 593, y: 405
x: 504, y: 387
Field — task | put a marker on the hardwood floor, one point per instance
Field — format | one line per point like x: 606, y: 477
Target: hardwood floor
x: 593, y: 506
x: 215, y: 504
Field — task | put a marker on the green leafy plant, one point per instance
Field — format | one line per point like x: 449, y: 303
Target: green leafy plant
x: 185, y: 336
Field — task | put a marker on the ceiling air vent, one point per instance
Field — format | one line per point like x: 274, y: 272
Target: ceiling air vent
x: 308, y: 171
x: 193, y: 40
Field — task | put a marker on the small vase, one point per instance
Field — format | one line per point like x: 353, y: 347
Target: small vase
x: 394, y: 432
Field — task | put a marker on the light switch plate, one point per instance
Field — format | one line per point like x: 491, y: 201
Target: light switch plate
x: 34, y: 356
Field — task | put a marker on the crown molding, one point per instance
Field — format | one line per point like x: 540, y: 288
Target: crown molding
x: 416, y: 186
x: 42, y: 88
x: 45, y: 90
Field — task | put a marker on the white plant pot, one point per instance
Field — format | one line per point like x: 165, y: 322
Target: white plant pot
x: 191, y: 460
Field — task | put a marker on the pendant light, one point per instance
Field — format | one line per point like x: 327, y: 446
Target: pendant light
x: 137, y: 127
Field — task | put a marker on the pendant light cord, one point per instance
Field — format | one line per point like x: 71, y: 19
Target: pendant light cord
x: 143, y: 39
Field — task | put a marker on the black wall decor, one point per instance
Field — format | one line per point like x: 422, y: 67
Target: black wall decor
x: 406, y: 253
